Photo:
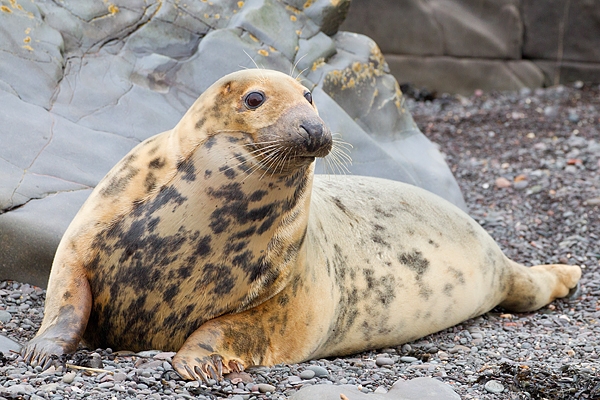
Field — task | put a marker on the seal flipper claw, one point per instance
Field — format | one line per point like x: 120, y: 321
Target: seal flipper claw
x: 235, y: 366
x: 47, y: 362
x: 213, y: 373
x: 218, y: 362
x: 201, y: 373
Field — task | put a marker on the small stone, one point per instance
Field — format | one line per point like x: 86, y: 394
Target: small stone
x: 106, y: 385
x: 20, y: 389
x: 69, y: 377
x: 5, y: 316
x: 95, y: 361
x: 320, y: 372
x: 521, y: 184
x: 408, y: 359
x: 381, y: 361
x: 243, y: 376
x: 265, y: 388
x: 502, y: 182
x: 494, y: 387
x: 119, y: 376
x: 307, y: 374
x: 148, y: 353
x: 589, y: 202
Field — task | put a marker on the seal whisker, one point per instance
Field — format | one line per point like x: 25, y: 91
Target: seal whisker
x: 342, y: 143
x: 295, y: 65
x: 299, y: 74
x: 272, y: 165
x: 341, y: 154
x: 339, y: 163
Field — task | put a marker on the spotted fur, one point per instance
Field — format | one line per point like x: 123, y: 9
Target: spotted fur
x: 215, y: 240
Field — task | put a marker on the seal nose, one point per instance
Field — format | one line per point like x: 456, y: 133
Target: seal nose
x: 317, y: 139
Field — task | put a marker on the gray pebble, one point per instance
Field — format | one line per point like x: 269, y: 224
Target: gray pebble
x: 69, y: 377
x: 119, y: 376
x: 494, y: 387
x: 381, y: 361
x: 5, y: 316
x: 307, y: 374
x: 521, y: 184
x: 320, y: 372
x: 408, y: 359
x: 265, y: 388
x: 106, y: 385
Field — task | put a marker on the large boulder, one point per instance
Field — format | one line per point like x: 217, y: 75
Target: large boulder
x: 82, y: 82
x: 458, y: 46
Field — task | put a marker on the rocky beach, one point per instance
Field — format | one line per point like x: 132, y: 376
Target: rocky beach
x: 528, y: 164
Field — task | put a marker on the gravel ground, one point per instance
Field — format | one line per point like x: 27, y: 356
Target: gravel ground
x: 528, y: 164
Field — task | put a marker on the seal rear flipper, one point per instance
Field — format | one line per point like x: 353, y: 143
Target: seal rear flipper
x: 532, y: 288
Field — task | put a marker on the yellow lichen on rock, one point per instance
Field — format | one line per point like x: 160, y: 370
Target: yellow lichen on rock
x: 27, y: 39
x: 112, y: 9
x: 240, y: 4
x: 263, y: 52
x: 27, y: 47
x: 5, y: 9
x: 293, y: 18
x: 319, y: 62
x: 308, y: 3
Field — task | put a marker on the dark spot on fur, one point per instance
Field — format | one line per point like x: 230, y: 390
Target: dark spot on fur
x: 448, y: 287
x: 67, y: 295
x: 207, y: 174
x: 379, y: 240
x: 382, y: 213
x: 339, y: 204
x: 120, y: 180
x: 258, y: 195
x: 210, y: 142
x: 244, y: 234
x: 170, y: 293
x: 236, y: 247
x: 267, y: 224
x: 458, y: 275
x: 434, y: 244
x: 283, y: 300
x: 228, y: 172
x: 229, y: 192
x: 150, y: 182
x: 157, y: 163
x: 188, y: 170
x: 415, y: 261
x: 200, y: 123
x: 203, y: 246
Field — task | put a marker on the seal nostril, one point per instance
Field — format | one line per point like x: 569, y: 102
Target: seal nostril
x: 314, y: 137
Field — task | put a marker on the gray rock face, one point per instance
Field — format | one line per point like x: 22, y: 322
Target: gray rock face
x: 460, y: 45
x: 82, y: 82
x: 458, y: 28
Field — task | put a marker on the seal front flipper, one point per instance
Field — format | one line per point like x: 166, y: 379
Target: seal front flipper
x: 68, y: 305
x: 209, y: 353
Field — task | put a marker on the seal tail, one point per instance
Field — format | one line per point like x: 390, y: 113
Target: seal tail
x: 534, y: 287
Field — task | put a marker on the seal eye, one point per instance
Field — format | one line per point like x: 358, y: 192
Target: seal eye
x: 254, y: 100
x: 308, y: 97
